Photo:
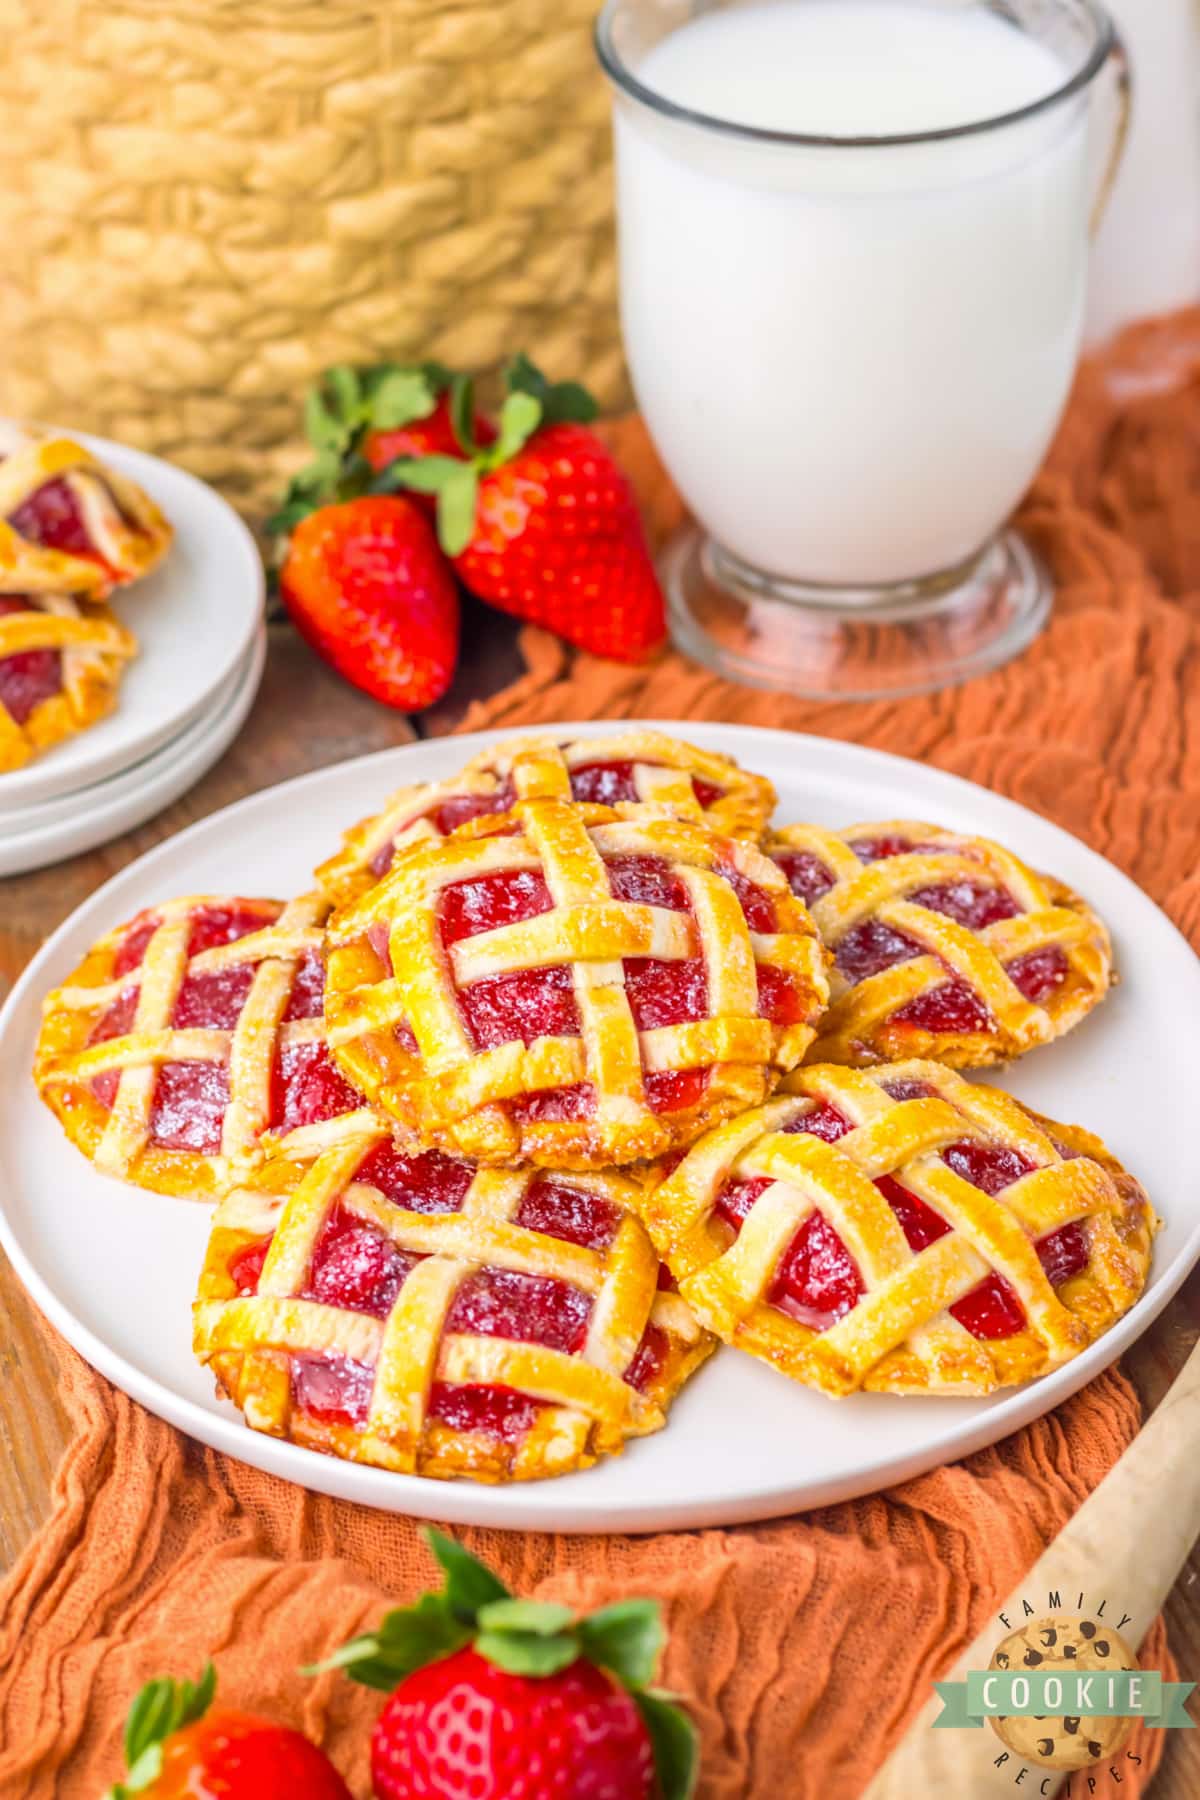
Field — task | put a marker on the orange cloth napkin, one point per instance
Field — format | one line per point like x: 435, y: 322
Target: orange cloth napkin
x: 804, y: 1644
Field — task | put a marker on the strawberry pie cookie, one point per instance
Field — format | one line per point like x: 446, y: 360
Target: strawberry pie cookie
x: 60, y: 668
x: 901, y: 1229
x: 565, y: 986
x: 188, y: 1036
x: 629, y: 771
x: 419, y: 1312
x: 70, y: 523
x: 943, y: 945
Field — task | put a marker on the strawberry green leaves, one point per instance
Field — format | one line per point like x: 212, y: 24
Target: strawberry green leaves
x: 673, y: 1737
x: 527, y: 1637
x: 161, y: 1709
x: 405, y: 1639
x: 439, y: 1624
x: 562, y: 402
x: 346, y: 403
x: 535, y: 1639
x: 626, y: 1638
x: 339, y: 409
x: 530, y: 403
x: 470, y: 1584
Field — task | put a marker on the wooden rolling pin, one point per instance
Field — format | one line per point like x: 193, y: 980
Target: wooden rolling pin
x: 1128, y: 1541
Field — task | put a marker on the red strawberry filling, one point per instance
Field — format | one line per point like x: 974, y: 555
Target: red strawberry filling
x: 426, y: 1183
x: 806, y: 874
x: 191, y: 1098
x: 307, y: 998
x: 665, y: 993
x: 650, y: 1359
x: 570, y: 1213
x: 51, y: 516
x: 756, y: 903
x: 190, y: 1102
x: 306, y: 1087
x: 818, y: 1282
x: 215, y: 925
x: 1038, y: 974
x: 555, y: 1104
x: 213, y: 1001
x: 673, y: 1090
x: 456, y: 810
x: 529, y: 1004
x: 246, y: 1265
x: 499, y: 1412
x: 460, y: 809
x: 31, y: 676
x: 526, y: 1309
x: 870, y: 850
x: 332, y: 1388
x: 610, y: 783
x: 356, y: 1266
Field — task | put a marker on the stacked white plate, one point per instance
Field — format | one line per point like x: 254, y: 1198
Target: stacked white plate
x: 198, y: 620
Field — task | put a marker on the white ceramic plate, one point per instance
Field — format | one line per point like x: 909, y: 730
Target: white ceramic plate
x: 115, y: 1269
x: 56, y: 829
x: 195, y: 618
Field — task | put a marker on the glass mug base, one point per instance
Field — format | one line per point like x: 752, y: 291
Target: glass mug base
x: 860, y: 643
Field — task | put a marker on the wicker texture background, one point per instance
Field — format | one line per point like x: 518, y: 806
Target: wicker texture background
x: 204, y: 201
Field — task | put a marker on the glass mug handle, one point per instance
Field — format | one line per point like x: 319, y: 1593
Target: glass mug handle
x: 1118, y: 61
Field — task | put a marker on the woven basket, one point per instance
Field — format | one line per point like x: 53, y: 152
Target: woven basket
x: 204, y: 201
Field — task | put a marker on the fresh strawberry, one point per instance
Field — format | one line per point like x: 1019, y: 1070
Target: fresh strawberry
x: 542, y: 523
x: 498, y: 1696
x: 176, y: 1748
x: 575, y: 1733
x: 366, y: 585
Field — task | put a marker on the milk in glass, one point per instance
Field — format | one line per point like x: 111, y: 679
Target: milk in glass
x: 852, y: 358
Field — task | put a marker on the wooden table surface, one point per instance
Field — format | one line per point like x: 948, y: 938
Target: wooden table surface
x: 340, y: 723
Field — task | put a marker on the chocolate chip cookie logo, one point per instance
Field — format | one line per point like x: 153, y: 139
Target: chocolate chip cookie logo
x: 1057, y: 1645
x: 1062, y: 1691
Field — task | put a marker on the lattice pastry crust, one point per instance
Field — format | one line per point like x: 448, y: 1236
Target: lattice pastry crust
x: 902, y: 1229
x: 628, y: 770
x: 943, y: 945
x: 189, y: 1035
x: 357, y: 1304
x: 571, y: 988
x: 54, y: 494
x: 60, y: 669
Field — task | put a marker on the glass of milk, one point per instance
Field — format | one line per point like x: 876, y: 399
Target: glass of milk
x: 853, y: 246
